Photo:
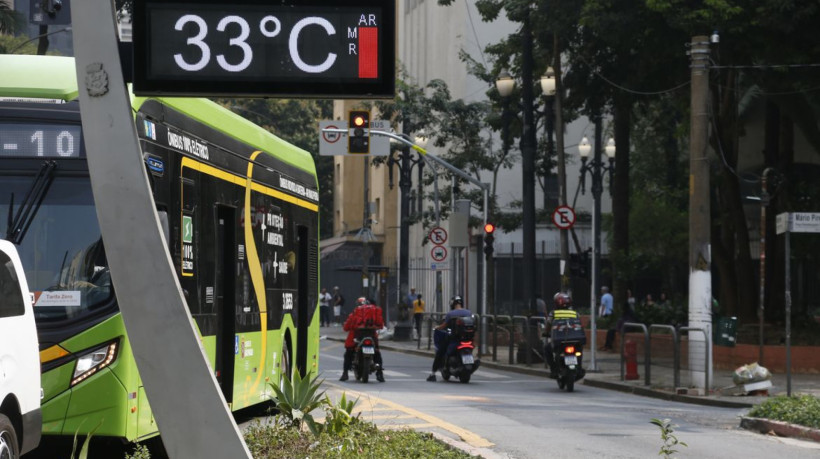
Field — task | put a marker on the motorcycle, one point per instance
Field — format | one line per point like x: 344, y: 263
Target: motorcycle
x: 568, y: 352
x: 568, y: 360
x: 364, y: 361
x: 459, y: 360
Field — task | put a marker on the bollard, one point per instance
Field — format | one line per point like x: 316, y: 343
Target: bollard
x: 631, y: 358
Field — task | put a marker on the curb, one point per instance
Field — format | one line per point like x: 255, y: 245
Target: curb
x: 646, y: 392
x: 779, y: 428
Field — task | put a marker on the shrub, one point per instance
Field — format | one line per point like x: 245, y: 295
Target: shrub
x: 803, y: 410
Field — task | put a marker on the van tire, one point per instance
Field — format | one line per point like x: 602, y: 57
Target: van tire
x: 9, y: 446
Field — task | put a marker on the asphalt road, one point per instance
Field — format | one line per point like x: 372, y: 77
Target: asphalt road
x: 500, y: 414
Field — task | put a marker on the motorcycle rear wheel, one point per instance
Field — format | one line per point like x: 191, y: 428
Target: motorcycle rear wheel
x: 464, y: 378
x: 445, y: 374
x: 365, y: 368
x: 570, y: 380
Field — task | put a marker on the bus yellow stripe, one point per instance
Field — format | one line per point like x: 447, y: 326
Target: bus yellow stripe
x: 255, y: 268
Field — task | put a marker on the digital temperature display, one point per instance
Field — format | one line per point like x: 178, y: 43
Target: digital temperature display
x: 30, y: 140
x: 318, y: 48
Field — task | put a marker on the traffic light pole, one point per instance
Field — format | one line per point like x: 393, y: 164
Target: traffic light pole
x: 456, y: 171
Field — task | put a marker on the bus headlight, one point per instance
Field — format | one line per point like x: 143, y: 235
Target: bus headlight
x: 94, y: 361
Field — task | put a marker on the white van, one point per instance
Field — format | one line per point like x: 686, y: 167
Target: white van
x: 20, y: 417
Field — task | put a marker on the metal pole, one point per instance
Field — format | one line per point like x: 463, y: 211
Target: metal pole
x: 528, y: 144
x: 788, y: 316
x: 700, y: 276
x: 483, y: 331
x: 365, y: 230
x: 597, y: 189
x: 403, y: 327
x: 439, y: 303
x: 764, y: 201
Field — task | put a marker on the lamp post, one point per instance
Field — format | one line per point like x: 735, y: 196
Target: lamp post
x: 405, y: 164
x: 596, y: 169
x: 505, y: 84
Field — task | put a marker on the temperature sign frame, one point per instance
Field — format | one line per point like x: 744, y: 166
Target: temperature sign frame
x: 247, y: 48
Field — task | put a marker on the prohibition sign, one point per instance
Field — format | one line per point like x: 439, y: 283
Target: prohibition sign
x: 438, y: 253
x: 331, y: 137
x: 437, y: 235
x: 563, y: 217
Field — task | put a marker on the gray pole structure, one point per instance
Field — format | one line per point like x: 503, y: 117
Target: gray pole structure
x: 788, y: 315
x: 527, y: 145
x: 597, y: 190
x: 700, y: 276
x: 761, y: 309
x: 403, y: 327
x: 559, y: 148
x: 365, y: 233
x: 178, y: 381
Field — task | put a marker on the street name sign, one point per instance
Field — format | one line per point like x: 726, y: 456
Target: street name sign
x: 307, y: 48
x: 798, y: 222
x: 335, y: 143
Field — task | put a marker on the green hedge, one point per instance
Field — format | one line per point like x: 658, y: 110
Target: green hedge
x: 803, y: 410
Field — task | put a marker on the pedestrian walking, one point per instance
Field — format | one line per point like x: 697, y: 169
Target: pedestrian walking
x: 338, y: 302
x: 606, y: 302
x: 418, y: 313
x: 324, y: 308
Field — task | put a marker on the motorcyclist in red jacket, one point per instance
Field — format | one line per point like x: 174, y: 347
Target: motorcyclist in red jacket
x: 366, y: 316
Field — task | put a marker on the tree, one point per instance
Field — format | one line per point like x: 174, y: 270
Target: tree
x: 10, y: 20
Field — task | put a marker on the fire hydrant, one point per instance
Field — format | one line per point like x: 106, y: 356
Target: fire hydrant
x: 631, y: 358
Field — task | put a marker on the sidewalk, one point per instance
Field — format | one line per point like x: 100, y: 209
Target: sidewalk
x: 608, y: 375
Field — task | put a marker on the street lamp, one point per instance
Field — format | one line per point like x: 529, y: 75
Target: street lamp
x: 405, y: 164
x: 596, y: 169
x: 505, y: 84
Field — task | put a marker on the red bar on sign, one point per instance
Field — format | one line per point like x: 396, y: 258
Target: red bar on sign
x: 368, y: 52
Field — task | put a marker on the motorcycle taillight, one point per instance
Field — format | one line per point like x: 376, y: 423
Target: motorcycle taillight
x: 367, y: 342
x: 569, y: 350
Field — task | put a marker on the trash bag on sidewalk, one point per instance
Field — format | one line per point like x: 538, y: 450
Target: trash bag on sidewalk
x: 750, y: 373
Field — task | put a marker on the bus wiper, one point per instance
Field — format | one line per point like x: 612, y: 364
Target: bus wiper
x: 18, y: 226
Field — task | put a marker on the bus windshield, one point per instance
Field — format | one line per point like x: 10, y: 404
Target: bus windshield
x: 62, y: 251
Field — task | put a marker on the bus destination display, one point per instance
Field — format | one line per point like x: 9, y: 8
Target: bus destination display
x: 32, y: 140
x: 309, y: 48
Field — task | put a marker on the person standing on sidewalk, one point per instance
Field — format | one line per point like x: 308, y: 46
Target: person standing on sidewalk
x: 606, y: 302
x: 324, y: 308
x: 418, y: 313
x: 338, y: 302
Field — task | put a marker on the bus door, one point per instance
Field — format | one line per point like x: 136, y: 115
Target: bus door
x: 225, y: 298
x: 302, y: 299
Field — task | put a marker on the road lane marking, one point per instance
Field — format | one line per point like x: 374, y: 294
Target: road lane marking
x: 465, y: 435
x: 425, y: 425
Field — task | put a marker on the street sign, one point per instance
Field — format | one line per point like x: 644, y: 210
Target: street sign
x: 439, y: 266
x: 439, y: 253
x: 316, y: 48
x: 335, y: 143
x: 437, y: 235
x: 798, y: 222
x: 563, y: 217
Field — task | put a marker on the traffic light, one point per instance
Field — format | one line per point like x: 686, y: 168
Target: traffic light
x: 489, y: 229
x: 358, y: 141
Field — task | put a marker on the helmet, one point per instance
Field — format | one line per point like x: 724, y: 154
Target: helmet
x: 456, y: 300
x: 361, y: 301
x: 562, y: 301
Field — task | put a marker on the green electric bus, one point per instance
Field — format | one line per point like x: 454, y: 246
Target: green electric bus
x: 239, y: 211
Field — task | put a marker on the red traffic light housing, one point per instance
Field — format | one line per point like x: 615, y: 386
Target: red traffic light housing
x: 359, y: 139
x: 489, y: 229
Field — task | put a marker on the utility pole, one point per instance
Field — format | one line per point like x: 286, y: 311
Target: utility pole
x: 700, y: 275
x: 562, y: 168
x: 365, y: 233
x: 528, y: 144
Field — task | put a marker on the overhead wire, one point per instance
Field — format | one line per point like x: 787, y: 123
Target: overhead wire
x: 632, y: 91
